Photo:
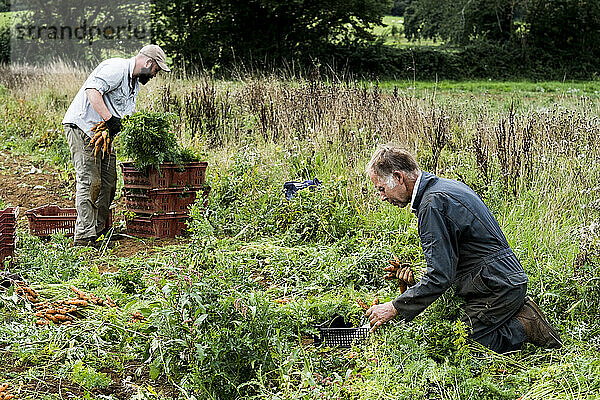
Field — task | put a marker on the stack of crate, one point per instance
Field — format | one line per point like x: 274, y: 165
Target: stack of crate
x: 8, y: 233
x: 160, y: 198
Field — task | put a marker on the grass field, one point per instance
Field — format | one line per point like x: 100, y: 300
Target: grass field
x: 229, y: 312
x: 392, y: 30
x: 5, y: 20
x: 567, y: 88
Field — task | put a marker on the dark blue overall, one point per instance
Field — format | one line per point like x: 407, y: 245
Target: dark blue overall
x: 465, y: 247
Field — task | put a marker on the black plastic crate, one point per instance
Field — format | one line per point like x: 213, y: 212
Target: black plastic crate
x: 337, y: 333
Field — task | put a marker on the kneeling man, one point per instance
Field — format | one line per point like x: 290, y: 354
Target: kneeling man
x: 465, y: 247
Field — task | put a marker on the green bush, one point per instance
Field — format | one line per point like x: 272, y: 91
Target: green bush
x: 321, y: 213
x: 215, y: 332
x: 478, y: 60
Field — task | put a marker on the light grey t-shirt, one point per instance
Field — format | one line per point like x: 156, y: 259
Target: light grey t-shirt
x: 113, y: 79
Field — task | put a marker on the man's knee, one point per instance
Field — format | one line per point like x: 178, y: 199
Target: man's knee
x: 508, y: 337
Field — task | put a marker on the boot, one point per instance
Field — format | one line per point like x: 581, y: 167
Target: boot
x: 537, y: 328
x: 109, y: 233
x: 88, y: 242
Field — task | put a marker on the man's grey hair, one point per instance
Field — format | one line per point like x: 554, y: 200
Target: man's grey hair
x: 389, y: 158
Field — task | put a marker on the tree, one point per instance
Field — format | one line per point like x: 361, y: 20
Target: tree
x: 214, y: 33
x: 400, y: 6
x: 569, y: 28
x: 82, y: 33
x: 461, y: 22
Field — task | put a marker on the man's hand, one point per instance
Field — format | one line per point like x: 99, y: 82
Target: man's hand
x: 379, y: 314
x: 114, y: 126
x: 405, y: 274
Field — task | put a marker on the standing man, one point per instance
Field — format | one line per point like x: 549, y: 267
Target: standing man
x: 463, y: 246
x: 107, y: 95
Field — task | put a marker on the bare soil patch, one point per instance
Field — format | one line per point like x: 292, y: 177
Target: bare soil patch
x: 27, y: 184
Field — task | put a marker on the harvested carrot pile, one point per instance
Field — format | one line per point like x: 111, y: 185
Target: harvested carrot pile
x: 5, y: 393
x: 27, y: 292
x: 64, y: 311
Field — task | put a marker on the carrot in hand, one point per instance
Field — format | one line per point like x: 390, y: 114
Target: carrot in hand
x: 362, y: 304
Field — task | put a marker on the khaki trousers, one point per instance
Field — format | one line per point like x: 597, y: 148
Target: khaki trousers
x: 96, y: 184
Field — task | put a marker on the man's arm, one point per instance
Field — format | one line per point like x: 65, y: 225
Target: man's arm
x: 97, y: 103
x: 113, y: 123
x: 439, y: 242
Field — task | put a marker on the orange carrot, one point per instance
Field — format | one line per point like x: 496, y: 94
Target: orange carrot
x: 362, y: 304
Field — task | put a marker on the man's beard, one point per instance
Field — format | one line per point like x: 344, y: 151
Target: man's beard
x: 145, y: 75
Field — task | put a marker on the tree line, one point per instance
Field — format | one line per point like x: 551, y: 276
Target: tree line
x: 480, y: 38
x: 565, y: 28
x: 485, y: 38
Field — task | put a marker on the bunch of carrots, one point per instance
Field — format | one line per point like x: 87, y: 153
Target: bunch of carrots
x: 5, y: 393
x: 101, y: 139
x: 402, y: 272
x: 137, y: 317
x: 395, y: 270
x: 64, y: 311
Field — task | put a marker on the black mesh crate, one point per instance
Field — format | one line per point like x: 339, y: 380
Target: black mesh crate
x: 337, y: 333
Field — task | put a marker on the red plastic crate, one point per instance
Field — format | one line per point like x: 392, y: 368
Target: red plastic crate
x: 8, y: 247
x: 8, y: 229
x: 8, y: 233
x: 50, y: 219
x: 157, y: 225
x: 161, y: 201
x: 9, y: 215
x: 5, y: 251
x: 190, y: 175
x: 7, y: 239
x: 8, y: 220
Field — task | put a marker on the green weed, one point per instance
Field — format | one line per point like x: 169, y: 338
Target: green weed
x: 88, y: 377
